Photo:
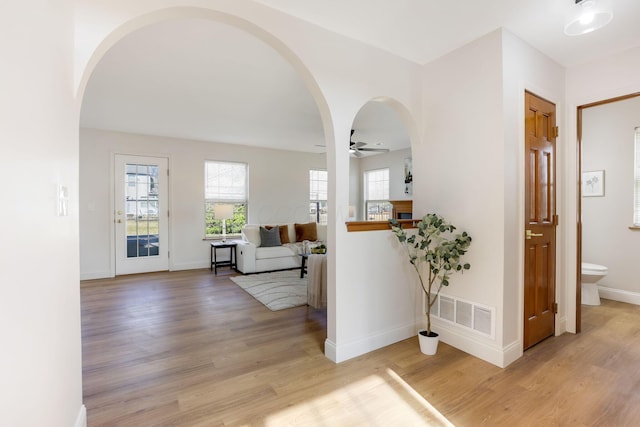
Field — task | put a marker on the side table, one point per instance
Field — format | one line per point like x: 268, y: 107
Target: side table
x: 303, y: 264
x: 231, y: 262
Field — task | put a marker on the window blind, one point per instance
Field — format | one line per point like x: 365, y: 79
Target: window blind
x: 226, y: 182
x: 377, y: 184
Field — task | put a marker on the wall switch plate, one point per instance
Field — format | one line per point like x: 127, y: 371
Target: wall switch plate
x: 63, y: 200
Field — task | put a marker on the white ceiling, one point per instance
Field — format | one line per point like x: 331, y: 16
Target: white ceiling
x: 207, y: 81
x: 422, y: 30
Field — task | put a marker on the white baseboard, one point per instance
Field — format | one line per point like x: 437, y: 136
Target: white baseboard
x: 175, y: 267
x: 455, y: 337
x: 619, y: 295
x: 96, y: 275
x: 190, y: 266
x: 341, y: 352
x: 511, y: 353
x: 81, y: 419
x: 561, y: 325
x: 330, y: 350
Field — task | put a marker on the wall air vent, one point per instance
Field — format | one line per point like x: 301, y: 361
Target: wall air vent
x: 477, y: 317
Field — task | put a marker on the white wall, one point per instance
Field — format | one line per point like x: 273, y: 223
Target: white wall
x: 458, y: 172
x: 39, y: 293
x: 278, y: 192
x: 608, y: 144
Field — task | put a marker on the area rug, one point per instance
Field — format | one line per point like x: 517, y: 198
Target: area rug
x: 277, y: 290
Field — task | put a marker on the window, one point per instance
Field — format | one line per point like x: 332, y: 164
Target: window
x: 376, y: 190
x: 636, y: 172
x: 225, y: 183
x: 318, y: 196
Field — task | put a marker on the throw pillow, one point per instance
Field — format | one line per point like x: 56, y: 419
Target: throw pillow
x: 270, y: 237
x: 284, y: 233
x: 307, y: 231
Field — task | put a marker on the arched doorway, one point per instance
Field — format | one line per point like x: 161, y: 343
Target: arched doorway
x: 305, y: 80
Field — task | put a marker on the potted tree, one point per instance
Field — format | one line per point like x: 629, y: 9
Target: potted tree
x: 435, y: 252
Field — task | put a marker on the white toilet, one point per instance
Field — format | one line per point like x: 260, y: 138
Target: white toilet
x: 591, y: 274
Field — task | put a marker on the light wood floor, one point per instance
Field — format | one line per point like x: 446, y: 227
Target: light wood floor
x: 193, y: 349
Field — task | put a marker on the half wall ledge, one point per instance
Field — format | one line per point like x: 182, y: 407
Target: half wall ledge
x: 379, y: 225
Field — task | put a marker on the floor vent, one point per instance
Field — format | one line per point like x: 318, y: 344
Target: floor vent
x: 478, y: 318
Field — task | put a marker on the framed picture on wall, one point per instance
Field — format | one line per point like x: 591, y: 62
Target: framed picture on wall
x: 408, y: 176
x: 593, y: 184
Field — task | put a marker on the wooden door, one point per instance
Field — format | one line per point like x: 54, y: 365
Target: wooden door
x: 540, y: 220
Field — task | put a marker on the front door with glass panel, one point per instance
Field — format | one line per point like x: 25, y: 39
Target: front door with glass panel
x: 141, y: 214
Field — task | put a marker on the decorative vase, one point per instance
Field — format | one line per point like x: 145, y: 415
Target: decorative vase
x: 428, y: 344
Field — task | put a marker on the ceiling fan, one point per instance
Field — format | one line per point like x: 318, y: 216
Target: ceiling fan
x: 358, y: 147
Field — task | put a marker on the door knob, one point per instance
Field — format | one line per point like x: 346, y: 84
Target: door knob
x: 528, y: 234
x: 119, y: 221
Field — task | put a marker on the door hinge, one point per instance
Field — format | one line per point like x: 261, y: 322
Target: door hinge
x: 167, y: 172
x: 555, y: 308
x: 556, y: 220
x: 555, y: 131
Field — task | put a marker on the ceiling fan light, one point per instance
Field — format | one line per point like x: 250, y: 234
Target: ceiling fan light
x: 587, y: 16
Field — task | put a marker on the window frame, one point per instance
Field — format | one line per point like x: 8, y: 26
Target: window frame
x: 378, y: 198
x: 240, y: 202
x: 318, y: 203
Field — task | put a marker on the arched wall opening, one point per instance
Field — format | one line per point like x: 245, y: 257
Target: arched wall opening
x: 198, y: 13
x: 388, y: 308
x: 383, y: 133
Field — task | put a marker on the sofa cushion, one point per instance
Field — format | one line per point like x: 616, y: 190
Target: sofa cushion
x: 251, y: 233
x: 269, y: 237
x: 284, y: 233
x: 273, y: 252
x: 306, y: 232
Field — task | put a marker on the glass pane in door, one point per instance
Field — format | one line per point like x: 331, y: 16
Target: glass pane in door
x: 142, y: 207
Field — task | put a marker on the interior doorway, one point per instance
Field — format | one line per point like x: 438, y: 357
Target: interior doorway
x: 586, y: 115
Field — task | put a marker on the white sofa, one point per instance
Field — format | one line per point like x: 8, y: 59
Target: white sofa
x: 252, y: 258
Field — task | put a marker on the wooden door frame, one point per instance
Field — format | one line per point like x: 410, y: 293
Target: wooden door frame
x: 579, y: 111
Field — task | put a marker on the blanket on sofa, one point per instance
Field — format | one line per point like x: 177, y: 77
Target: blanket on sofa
x: 317, y: 287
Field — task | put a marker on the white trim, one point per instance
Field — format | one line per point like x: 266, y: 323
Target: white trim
x: 511, y: 353
x: 122, y: 263
x: 341, y: 352
x: 81, y: 419
x: 561, y: 325
x: 96, y: 275
x: 469, y: 343
x: 190, y: 266
x: 330, y: 350
x: 619, y: 295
